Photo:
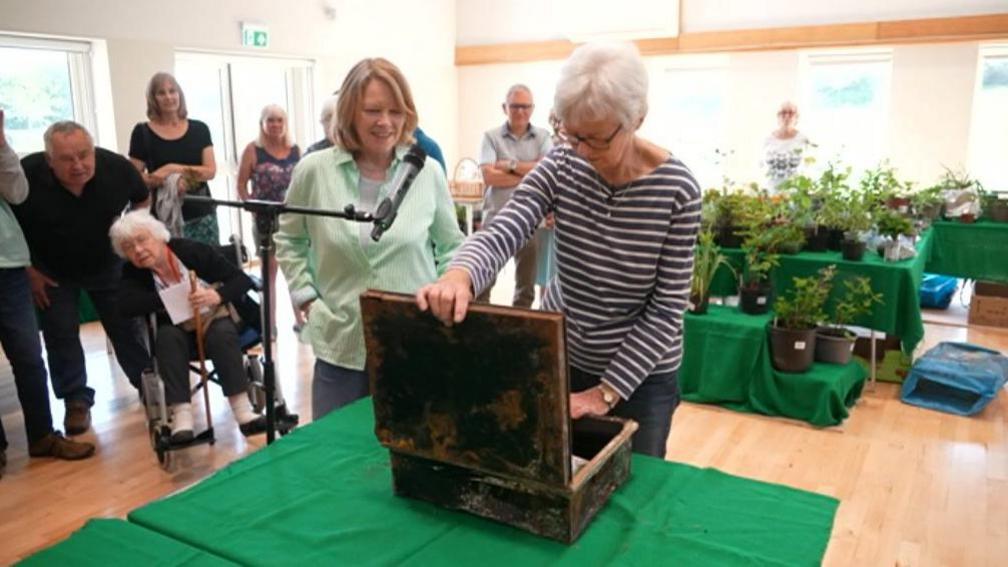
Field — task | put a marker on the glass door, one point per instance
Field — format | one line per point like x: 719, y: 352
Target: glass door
x: 228, y: 92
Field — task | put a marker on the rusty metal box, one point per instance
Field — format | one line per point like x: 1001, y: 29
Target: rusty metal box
x: 476, y: 417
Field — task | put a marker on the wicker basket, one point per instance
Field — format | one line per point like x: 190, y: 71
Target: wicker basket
x: 467, y: 181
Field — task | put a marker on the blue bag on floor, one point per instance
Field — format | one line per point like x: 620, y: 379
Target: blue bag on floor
x: 936, y: 291
x: 957, y: 378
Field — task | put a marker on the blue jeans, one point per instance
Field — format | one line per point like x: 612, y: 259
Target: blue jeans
x: 335, y: 386
x: 19, y: 336
x: 61, y: 330
x: 651, y: 406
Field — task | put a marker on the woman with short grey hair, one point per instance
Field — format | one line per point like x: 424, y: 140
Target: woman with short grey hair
x: 157, y: 262
x: 627, y: 214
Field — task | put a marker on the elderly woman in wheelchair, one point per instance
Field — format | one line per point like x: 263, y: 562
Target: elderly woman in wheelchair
x: 157, y: 263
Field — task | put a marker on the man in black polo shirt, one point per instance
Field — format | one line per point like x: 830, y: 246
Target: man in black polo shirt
x: 76, y: 192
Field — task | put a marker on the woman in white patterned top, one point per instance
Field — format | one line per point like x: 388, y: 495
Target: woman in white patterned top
x: 627, y: 214
x: 783, y: 148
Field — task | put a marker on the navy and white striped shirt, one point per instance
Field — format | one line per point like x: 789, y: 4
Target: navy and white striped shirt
x: 624, y: 261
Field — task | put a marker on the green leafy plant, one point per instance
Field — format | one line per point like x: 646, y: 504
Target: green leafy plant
x: 857, y: 300
x: 802, y: 307
x: 880, y: 185
x: 856, y: 215
x: 927, y: 202
x: 707, y: 259
x: 893, y: 224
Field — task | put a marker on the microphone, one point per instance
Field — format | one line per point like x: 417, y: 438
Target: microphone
x: 387, y: 210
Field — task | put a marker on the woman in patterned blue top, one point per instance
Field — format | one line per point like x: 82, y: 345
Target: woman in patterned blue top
x: 268, y: 163
x: 627, y: 214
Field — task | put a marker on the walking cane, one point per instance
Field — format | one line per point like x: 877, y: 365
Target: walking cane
x: 193, y: 285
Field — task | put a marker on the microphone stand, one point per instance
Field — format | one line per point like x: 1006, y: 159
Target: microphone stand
x: 269, y: 212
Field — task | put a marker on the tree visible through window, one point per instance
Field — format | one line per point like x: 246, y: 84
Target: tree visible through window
x: 35, y: 91
x: 686, y: 115
x: 845, y: 106
x: 989, y: 132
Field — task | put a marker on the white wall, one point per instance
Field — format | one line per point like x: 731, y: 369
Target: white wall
x: 929, y: 118
x: 143, y: 35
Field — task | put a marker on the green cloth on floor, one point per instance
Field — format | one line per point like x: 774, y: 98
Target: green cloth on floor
x: 727, y: 361
x: 974, y: 251
x: 898, y: 282
x: 109, y: 542
x: 323, y: 495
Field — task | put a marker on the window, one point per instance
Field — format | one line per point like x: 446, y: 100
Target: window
x: 41, y: 82
x: 844, y: 107
x: 989, y: 131
x: 686, y: 115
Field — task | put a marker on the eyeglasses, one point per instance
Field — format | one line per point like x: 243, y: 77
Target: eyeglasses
x: 592, y: 143
x: 520, y: 106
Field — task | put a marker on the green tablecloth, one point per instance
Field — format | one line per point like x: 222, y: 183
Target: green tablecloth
x: 898, y: 282
x: 107, y: 543
x: 323, y: 495
x: 727, y: 361
x: 976, y: 251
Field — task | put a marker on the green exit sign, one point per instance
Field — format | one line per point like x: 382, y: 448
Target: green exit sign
x: 255, y: 36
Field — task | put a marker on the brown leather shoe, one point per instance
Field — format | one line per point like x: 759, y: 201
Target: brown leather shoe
x: 78, y: 417
x: 55, y: 445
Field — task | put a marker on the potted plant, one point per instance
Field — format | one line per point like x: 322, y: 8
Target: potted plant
x: 892, y: 225
x: 855, y: 220
x: 835, y: 343
x: 882, y: 188
x: 927, y: 203
x: 755, y: 293
x: 833, y: 192
x: 993, y: 204
x: 798, y: 314
x: 787, y: 238
x: 707, y: 259
x: 729, y: 209
x: 760, y: 245
x: 806, y: 205
x: 965, y: 195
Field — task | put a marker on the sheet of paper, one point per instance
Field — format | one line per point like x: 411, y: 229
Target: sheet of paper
x: 176, y: 302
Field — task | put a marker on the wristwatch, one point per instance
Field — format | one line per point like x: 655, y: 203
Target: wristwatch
x: 608, y: 396
x: 512, y: 165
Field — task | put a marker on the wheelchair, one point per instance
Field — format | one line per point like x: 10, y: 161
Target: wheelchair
x: 249, y: 337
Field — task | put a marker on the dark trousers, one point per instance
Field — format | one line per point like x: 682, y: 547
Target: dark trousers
x: 336, y: 386
x: 61, y: 330
x: 651, y: 406
x: 19, y: 336
x: 526, y: 270
x: 175, y: 347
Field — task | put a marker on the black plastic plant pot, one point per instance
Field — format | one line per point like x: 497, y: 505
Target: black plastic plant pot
x: 755, y: 299
x: 789, y: 248
x: 792, y: 350
x: 726, y: 237
x: 852, y: 250
x: 834, y: 239
x: 698, y: 306
x: 835, y: 346
x: 999, y: 211
x: 816, y: 239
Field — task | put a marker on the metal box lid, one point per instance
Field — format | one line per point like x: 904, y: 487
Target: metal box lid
x: 490, y: 393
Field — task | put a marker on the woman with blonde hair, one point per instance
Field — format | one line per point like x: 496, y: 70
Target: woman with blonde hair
x: 329, y: 262
x: 175, y: 156
x: 268, y: 163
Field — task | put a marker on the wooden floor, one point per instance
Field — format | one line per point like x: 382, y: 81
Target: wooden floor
x: 916, y: 487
